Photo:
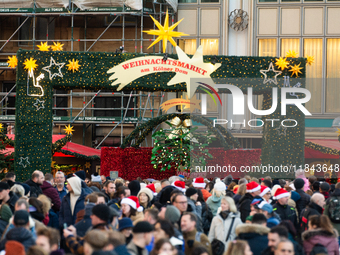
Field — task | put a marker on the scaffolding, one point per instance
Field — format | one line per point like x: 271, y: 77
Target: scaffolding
x: 81, y: 106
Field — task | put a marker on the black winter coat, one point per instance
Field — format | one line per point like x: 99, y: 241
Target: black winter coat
x: 35, y: 188
x: 22, y: 235
x: 302, y: 202
x: 286, y: 212
x: 13, y: 198
x: 244, y: 208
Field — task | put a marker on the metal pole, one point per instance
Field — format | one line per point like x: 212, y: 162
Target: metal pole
x: 103, y: 32
x: 14, y: 33
x: 108, y: 135
x: 9, y: 92
x: 85, y: 106
x: 72, y: 20
x: 127, y: 107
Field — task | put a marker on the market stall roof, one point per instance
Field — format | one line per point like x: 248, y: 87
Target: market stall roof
x: 333, y: 144
x: 69, y: 150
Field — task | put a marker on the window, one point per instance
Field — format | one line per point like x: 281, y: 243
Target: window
x: 10, y: 100
x: 189, y: 46
x: 210, y: 46
x: 60, y: 102
x: 110, y: 103
x: 44, y: 28
x: 267, y: 47
x: 313, y: 47
x: 290, y: 44
x: 333, y: 73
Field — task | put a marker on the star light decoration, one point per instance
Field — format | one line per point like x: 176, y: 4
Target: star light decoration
x: 30, y: 64
x: 57, y: 46
x: 338, y: 131
x: 73, y: 65
x: 12, y: 61
x: 282, y: 63
x: 39, y: 104
x: 53, y: 63
x: 310, y: 60
x: 296, y: 69
x: 69, y: 129
x: 24, y: 162
x: 43, y: 46
x: 165, y: 32
x: 1, y: 126
x: 281, y: 130
x: 87, y: 165
x: 270, y: 69
x: 292, y: 54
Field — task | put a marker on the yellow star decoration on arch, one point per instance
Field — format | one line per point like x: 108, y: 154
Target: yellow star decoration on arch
x: 292, y: 54
x: 338, y: 131
x: 165, y: 32
x: 68, y: 129
x: 1, y: 126
x: 12, y: 61
x: 57, y: 46
x: 43, y: 46
x: 73, y: 65
x: 30, y: 64
x: 281, y: 63
x: 87, y: 165
x: 310, y: 60
x: 296, y: 70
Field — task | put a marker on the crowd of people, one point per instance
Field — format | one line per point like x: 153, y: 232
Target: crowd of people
x: 77, y: 215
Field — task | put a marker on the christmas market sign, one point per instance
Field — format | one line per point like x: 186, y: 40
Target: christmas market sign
x: 185, y: 68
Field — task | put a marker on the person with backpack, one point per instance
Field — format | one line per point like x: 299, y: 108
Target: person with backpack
x: 321, y: 237
x: 332, y: 208
x: 315, y: 207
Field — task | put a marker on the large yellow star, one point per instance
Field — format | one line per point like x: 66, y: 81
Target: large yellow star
x: 68, y: 129
x: 165, y: 32
x: 310, y: 60
x: 43, y: 46
x: 30, y: 64
x: 12, y: 61
x: 281, y: 63
x: 292, y: 54
x: 296, y: 70
x: 73, y: 65
x: 1, y: 126
x: 57, y: 46
x: 338, y: 132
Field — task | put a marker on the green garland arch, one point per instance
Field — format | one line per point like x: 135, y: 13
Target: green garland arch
x: 228, y: 141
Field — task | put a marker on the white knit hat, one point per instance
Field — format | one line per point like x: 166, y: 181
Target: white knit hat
x: 219, y: 186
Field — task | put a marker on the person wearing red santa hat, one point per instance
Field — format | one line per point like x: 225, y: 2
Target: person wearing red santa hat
x: 266, y: 194
x: 253, y: 191
x: 132, y: 209
x: 152, y: 187
x: 282, y: 208
x: 179, y: 185
x: 199, y: 183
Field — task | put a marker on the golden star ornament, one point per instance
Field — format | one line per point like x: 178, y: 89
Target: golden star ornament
x: 338, y: 131
x: 282, y: 63
x: 292, y: 54
x: 73, y: 65
x: 30, y: 64
x: 43, y: 46
x: 165, y: 32
x: 1, y: 126
x: 69, y: 129
x: 296, y: 69
x: 310, y: 60
x: 57, y: 46
x: 12, y: 61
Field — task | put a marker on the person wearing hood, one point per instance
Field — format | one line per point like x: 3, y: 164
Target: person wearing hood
x: 35, y: 183
x: 255, y: 233
x: 332, y: 207
x: 320, y: 231
x: 7, y: 197
x: 227, y: 218
x: 273, y: 219
x: 72, y: 202
x: 214, y: 202
x: 253, y: 191
x: 194, y: 206
x: 20, y: 232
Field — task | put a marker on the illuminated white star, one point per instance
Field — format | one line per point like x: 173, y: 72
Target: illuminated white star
x: 24, y: 162
x: 53, y: 63
x: 39, y: 104
x: 270, y: 69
